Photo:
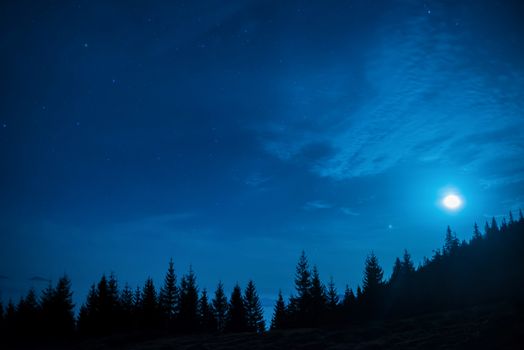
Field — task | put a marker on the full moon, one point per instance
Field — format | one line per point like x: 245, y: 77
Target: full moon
x: 452, y: 201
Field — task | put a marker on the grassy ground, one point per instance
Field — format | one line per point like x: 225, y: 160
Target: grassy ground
x: 486, y: 327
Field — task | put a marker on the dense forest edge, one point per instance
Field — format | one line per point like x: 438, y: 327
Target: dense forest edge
x: 487, y: 269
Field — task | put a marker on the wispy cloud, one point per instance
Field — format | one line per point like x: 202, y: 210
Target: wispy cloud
x: 317, y: 205
x: 256, y: 180
x: 348, y: 211
x: 39, y: 279
x: 429, y: 101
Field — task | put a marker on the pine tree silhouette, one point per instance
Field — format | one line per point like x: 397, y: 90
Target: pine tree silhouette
x: 127, y: 317
x: 149, y: 310
x: 205, y: 313
x: 372, y: 285
x: 503, y: 226
x: 254, y: 313
x: 349, y: 299
x: 101, y: 314
x: 373, y: 275
x: 300, y: 305
x: 451, y: 242
x: 318, y: 299
x: 137, y: 299
x: 57, y: 309
x: 407, y: 264
x: 477, y: 236
x: 396, y: 275
x: 27, y: 315
x: 220, y: 307
x: 87, y: 322
x: 168, y: 297
x: 236, y: 313
x: 112, y: 304
x: 332, y: 295
x: 10, y: 318
x: 494, y: 227
x: 279, y: 320
x: 359, y: 293
x: 188, y: 308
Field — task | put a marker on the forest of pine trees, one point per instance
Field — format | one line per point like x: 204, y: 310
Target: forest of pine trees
x: 488, y: 268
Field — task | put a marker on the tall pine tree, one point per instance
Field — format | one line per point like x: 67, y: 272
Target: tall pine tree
x: 279, y: 320
x: 188, y: 307
x: 57, y: 309
x: 205, y: 313
x: 168, y: 297
x: 149, y: 309
x: 220, y: 307
x: 236, y: 313
x: 254, y: 313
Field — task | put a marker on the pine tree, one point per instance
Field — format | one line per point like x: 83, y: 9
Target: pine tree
x: 254, y: 312
x: 279, y: 319
x: 359, y: 293
x: 205, y: 314
x: 236, y: 314
x: 511, y: 220
x: 28, y: 312
x: 332, y: 295
x: 149, y: 310
x: 396, y: 275
x: 57, y: 309
x: 503, y: 225
x: 127, y: 307
x: 407, y: 264
x: 87, y: 322
x: 112, y: 304
x: 349, y: 299
x: 451, y: 242
x: 318, y: 298
x: 101, y: 312
x: 300, y: 305
x: 373, y: 275
x: 188, y: 303
x: 477, y: 236
x: 521, y: 217
x: 494, y: 226
x: 10, y: 317
x: 168, y: 297
x: 220, y: 307
x: 137, y: 299
x: 372, y: 284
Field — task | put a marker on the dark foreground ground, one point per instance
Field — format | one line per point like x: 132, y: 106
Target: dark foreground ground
x: 487, y: 327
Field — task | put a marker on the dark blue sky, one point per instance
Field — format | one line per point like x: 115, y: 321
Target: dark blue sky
x: 232, y: 135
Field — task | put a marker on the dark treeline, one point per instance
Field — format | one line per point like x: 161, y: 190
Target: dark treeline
x: 488, y: 268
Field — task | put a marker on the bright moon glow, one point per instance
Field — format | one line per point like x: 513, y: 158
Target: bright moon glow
x: 452, y: 201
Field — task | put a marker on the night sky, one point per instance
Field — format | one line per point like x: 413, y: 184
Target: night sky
x: 233, y: 135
